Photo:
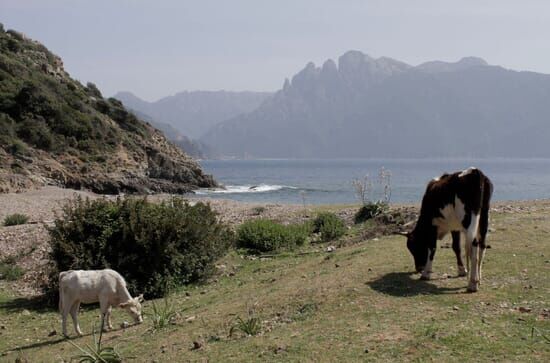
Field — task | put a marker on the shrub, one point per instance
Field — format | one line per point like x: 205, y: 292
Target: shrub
x: 10, y: 271
x: 154, y: 246
x: 329, y: 226
x: 264, y: 235
x: 369, y: 211
x: 15, y: 219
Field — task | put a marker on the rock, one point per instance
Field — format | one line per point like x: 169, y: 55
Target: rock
x: 187, y: 293
x: 25, y: 312
x: 52, y: 333
x: 524, y: 309
x: 331, y: 249
x: 191, y: 319
x: 456, y: 308
x: 124, y: 325
x: 366, y: 350
x: 336, y: 265
x: 196, y: 345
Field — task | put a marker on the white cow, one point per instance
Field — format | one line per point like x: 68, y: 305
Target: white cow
x: 90, y: 286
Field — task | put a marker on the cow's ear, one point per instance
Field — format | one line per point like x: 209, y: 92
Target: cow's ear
x: 140, y: 298
x: 124, y: 304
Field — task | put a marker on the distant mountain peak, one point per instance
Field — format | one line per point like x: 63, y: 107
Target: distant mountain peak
x: 441, y: 66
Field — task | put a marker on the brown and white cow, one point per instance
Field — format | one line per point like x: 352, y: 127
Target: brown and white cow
x: 456, y: 203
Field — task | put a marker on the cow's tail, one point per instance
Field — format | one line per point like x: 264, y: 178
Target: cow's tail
x: 61, y: 275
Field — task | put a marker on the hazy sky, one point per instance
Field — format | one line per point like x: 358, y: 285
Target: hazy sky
x: 157, y: 48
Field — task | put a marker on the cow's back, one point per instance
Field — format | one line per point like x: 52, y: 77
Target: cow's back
x: 88, y: 285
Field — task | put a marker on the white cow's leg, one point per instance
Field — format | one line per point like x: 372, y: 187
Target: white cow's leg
x: 74, y: 315
x: 104, y: 308
x: 65, y: 311
x: 108, y: 318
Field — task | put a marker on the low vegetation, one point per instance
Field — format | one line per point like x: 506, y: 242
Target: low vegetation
x: 329, y: 226
x: 360, y: 302
x: 154, y: 246
x: 370, y: 210
x: 96, y: 353
x: 162, y: 314
x: 15, y: 219
x: 263, y: 235
x: 9, y: 270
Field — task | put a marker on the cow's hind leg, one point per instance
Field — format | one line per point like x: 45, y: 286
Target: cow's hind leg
x: 74, y: 315
x: 471, y: 239
x: 65, y: 310
x: 456, y: 248
x: 482, y: 235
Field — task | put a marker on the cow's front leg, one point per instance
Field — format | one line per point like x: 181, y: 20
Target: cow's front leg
x: 104, y: 307
x: 456, y: 248
x: 427, y: 272
x: 108, y: 318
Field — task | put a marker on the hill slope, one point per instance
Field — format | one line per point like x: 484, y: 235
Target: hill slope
x: 193, y: 113
x: 366, y: 107
x: 56, y: 131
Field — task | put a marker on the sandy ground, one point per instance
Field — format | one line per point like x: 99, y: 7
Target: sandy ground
x: 28, y: 243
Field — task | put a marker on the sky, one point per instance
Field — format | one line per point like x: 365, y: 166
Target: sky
x: 158, y: 48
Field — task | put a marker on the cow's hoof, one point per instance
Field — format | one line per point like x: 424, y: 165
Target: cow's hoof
x: 473, y: 287
x: 462, y: 271
x: 425, y: 277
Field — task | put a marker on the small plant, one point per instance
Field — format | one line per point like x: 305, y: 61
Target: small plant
x: 10, y: 271
x: 251, y: 326
x: 258, y: 210
x: 15, y: 219
x: 369, y: 211
x: 329, y: 226
x: 163, y: 315
x: 96, y: 353
x: 264, y: 235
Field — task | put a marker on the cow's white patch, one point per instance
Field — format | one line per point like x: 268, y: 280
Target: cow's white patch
x: 427, y: 272
x: 451, y: 218
x: 467, y: 171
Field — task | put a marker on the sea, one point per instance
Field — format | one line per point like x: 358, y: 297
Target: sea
x: 330, y: 181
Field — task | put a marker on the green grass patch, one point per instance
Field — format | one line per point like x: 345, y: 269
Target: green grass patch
x: 15, y: 219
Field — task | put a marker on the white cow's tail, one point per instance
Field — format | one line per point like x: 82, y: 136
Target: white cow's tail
x: 61, y: 275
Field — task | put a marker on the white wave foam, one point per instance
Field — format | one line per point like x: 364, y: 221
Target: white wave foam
x: 234, y: 189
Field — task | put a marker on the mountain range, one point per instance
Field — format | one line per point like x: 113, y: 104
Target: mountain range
x: 193, y: 113
x: 56, y: 131
x: 381, y: 107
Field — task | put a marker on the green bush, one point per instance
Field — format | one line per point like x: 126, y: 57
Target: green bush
x: 15, y: 219
x: 264, y: 235
x: 329, y: 226
x: 10, y: 271
x: 154, y: 246
x: 369, y: 211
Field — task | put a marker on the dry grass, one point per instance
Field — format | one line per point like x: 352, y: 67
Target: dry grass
x: 337, y: 306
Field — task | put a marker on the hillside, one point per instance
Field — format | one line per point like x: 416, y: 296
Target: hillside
x: 367, y: 107
x: 194, y: 148
x: 193, y: 113
x: 56, y: 131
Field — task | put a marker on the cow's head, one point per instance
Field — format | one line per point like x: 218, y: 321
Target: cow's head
x: 418, y: 250
x: 133, y: 307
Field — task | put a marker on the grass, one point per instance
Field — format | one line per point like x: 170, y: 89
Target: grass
x: 163, y: 314
x: 363, y: 298
x: 15, y: 219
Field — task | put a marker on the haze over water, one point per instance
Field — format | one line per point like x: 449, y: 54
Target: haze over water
x: 329, y: 181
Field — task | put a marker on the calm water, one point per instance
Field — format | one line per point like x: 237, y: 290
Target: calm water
x: 329, y: 181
